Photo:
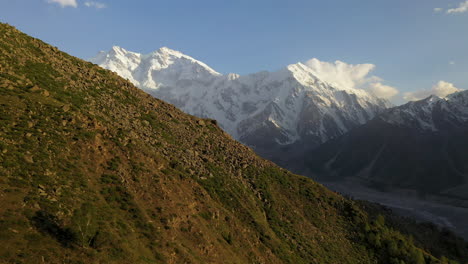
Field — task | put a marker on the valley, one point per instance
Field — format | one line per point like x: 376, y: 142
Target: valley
x: 445, y: 212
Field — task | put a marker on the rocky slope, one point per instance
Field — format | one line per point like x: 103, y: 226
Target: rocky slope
x: 280, y: 114
x: 93, y: 170
x: 421, y: 146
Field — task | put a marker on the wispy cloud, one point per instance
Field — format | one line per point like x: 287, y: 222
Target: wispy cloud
x: 452, y: 63
x: 382, y: 91
x: 438, y: 10
x: 64, y: 3
x: 462, y: 8
x: 441, y: 89
x: 97, y: 5
x: 348, y: 76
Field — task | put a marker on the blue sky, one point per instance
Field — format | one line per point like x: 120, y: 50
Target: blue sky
x: 412, y: 44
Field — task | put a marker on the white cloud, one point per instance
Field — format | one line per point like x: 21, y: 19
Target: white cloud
x: 348, y: 76
x: 64, y: 3
x: 441, y: 89
x: 462, y: 8
x: 383, y: 91
x: 452, y: 63
x: 97, y: 5
x: 438, y: 10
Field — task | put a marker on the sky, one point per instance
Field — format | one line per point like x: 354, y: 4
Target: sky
x: 401, y: 50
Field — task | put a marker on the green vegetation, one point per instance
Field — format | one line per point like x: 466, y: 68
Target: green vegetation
x: 93, y: 170
x: 393, y: 246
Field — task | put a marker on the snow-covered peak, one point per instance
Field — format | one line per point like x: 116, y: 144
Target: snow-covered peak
x: 165, y: 57
x: 460, y: 97
x: 161, y: 58
x: 119, y: 60
x: 432, y: 113
x: 458, y: 105
x: 118, y: 50
x: 264, y: 108
x: 433, y: 98
x: 426, y: 103
x: 161, y: 68
x: 166, y: 50
x: 170, y: 53
x: 298, y: 68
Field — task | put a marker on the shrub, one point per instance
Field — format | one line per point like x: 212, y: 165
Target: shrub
x: 84, y: 225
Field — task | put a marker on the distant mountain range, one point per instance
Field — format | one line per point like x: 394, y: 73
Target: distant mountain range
x: 280, y: 114
x: 421, y: 145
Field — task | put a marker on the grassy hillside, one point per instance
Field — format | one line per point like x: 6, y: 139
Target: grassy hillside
x: 93, y: 170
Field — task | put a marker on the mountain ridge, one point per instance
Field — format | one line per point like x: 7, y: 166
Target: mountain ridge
x: 267, y: 110
x: 453, y: 109
x: 419, y: 145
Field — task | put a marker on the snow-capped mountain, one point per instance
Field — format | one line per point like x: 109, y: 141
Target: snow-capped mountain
x: 266, y: 110
x: 162, y: 68
x: 431, y: 114
x: 421, y: 145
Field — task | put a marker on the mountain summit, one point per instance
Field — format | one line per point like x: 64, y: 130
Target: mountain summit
x: 431, y: 114
x: 270, y: 111
x: 169, y: 65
